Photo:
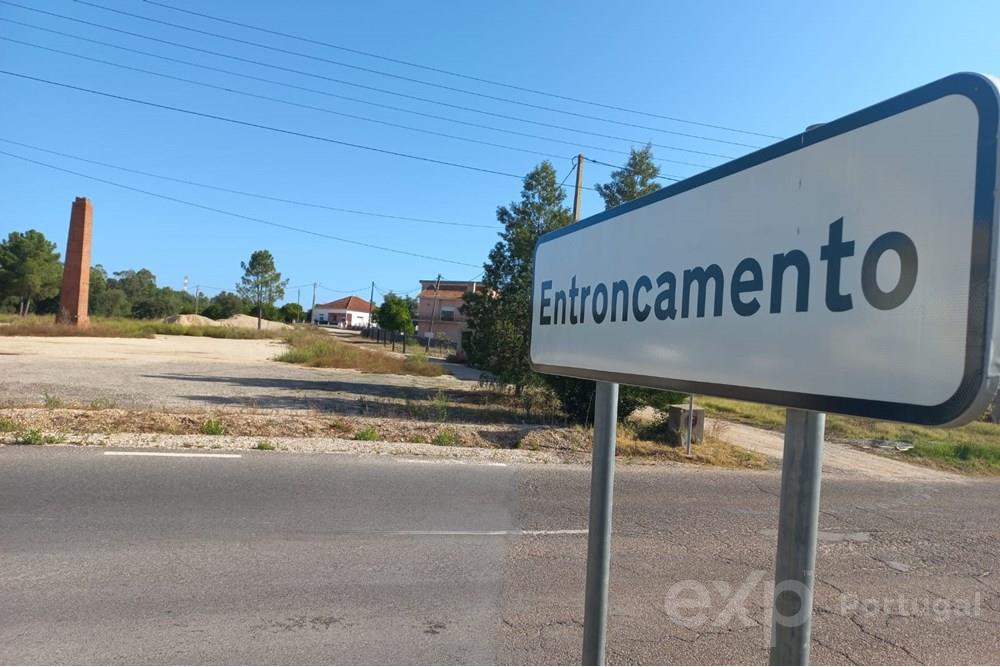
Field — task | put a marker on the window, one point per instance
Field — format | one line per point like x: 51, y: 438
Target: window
x: 447, y: 314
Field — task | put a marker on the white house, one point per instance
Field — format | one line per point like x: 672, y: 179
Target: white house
x: 350, y: 312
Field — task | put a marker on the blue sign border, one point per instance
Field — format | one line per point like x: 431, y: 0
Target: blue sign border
x: 983, y: 94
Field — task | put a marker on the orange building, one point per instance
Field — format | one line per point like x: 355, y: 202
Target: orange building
x: 439, y: 309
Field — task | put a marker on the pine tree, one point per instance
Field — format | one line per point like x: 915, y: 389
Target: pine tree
x: 499, y: 317
x: 261, y: 283
x: 636, y: 179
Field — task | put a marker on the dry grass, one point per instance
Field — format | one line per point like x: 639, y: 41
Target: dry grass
x: 314, y: 348
x: 974, y: 447
x: 38, y: 325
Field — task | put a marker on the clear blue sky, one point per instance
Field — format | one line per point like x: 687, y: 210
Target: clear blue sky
x: 767, y: 67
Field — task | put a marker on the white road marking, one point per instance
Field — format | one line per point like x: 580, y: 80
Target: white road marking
x: 486, y: 533
x: 188, y: 455
x: 454, y: 461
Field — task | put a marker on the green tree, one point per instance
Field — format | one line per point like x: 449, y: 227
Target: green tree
x: 224, y: 305
x: 29, y: 268
x: 292, y: 312
x: 499, y: 317
x: 261, y: 283
x: 394, y: 315
x: 636, y: 179
x: 137, y: 285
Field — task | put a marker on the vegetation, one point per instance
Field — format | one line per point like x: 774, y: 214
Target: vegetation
x: 974, y: 447
x: 444, y: 438
x: 212, y: 427
x: 636, y: 179
x: 261, y: 283
x: 29, y: 269
x: 395, y: 314
x: 368, y: 434
x: 34, y: 437
x: 8, y: 425
x: 36, y: 325
x: 499, y: 317
x: 292, y: 313
x: 265, y: 445
x: 315, y: 348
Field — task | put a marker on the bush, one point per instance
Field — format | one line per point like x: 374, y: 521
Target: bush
x: 368, y: 434
x: 577, y: 398
x: 444, y: 438
x: 264, y: 445
x: 212, y: 427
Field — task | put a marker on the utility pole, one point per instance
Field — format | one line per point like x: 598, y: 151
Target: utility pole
x: 602, y: 482
x: 312, y: 311
x: 578, y: 195
x: 197, y: 294
x: 430, y: 331
x: 371, y: 305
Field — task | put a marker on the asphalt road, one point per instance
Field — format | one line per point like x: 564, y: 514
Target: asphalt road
x: 284, y: 558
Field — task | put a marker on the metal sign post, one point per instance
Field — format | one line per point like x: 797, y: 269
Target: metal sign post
x: 798, y: 520
x: 602, y: 480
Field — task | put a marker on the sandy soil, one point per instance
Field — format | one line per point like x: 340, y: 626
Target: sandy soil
x: 837, y: 457
x: 85, y: 349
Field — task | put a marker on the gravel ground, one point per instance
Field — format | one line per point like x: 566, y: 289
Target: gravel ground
x: 183, y: 372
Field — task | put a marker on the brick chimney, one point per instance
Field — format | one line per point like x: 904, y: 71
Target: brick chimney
x: 76, y: 270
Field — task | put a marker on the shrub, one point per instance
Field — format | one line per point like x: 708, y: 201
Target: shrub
x: 264, y: 445
x: 445, y: 438
x: 8, y: 425
x: 35, y: 437
x: 368, y: 433
x: 212, y: 427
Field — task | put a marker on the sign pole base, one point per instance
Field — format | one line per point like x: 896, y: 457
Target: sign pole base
x: 798, y: 522
x: 602, y: 478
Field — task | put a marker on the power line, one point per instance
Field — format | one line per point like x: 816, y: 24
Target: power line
x: 279, y: 100
x: 401, y: 77
x: 327, y: 93
x: 244, y: 192
x: 463, y: 76
x: 289, y: 102
x: 233, y: 214
x: 358, y: 85
x: 259, y: 126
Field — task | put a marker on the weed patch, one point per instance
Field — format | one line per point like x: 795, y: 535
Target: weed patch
x: 368, y: 433
x: 311, y: 348
x: 265, y: 445
x: 445, y: 438
x: 212, y: 427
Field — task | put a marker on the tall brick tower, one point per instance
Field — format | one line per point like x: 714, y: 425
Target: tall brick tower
x: 76, y: 270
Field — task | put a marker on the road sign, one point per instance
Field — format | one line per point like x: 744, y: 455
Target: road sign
x: 848, y: 269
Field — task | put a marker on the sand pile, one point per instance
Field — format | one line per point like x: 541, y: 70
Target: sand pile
x: 192, y: 321
x: 250, y: 322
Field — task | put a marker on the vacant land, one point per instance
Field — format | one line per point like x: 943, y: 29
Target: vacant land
x: 34, y: 325
x: 187, y: 386
x: 974, y: 447
x: 322, y: 350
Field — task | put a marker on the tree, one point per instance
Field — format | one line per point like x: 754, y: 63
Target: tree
x: 499, y: 317
x: 224, y: 305
x: 29, y: 268
x: 636, y: 179
x: 291, y: 312
x: 261, y: 283
x: 394, y: 315
x: 137, y: 285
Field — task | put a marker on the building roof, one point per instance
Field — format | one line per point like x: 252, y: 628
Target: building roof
x: 353, y: 303
x: 448, y: 289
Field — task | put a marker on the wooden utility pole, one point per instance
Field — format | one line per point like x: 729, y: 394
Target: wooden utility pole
x: 578, y: 195
x: 371, y: 303
x: 430, y: 331
x: 312, y: 310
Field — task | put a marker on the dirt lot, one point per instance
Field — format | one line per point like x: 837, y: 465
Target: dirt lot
x: 182, y: 373
x: 173, y: 385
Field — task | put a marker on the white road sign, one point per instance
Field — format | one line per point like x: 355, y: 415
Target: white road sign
x: 849, y: 269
